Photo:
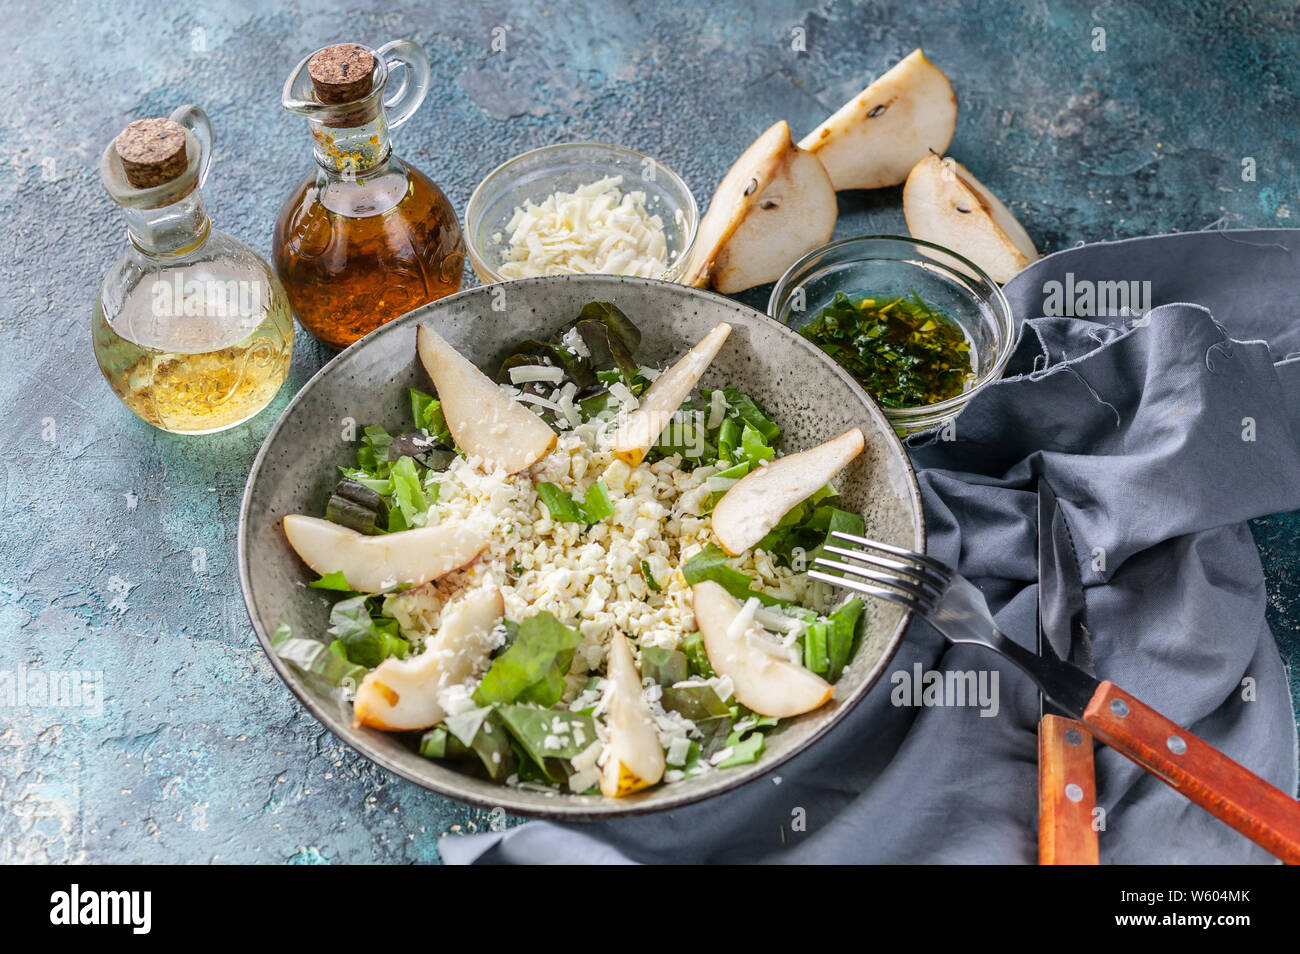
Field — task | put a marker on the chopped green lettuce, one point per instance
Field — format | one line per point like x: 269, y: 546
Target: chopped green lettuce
x: 482, y: 732
x: 748, y: 410
x: 534, y: 667
x: 597, y: 504
x: 438, y: 743
x: 426, y: 412
x: 562, y: 507
x: 372, y: 455
x: 712, y: 564
x: 828, y: 643
x: 315, y: 657
x: 408, y: 492
x: 744, y: 749
x: 366, y: 638
x: 842, y: 638
x: 696, y: 657
x: 697, y: 703
x: 665, y: 666
x: 754, y: 446
x: 550, y: 737
x: 332, y: 581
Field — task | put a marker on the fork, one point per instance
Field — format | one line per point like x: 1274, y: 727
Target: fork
x: 957, y: 609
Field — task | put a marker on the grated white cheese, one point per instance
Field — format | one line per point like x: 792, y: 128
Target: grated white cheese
x: 589, y: 578
x: 528, y: 373
x: 678, y: 751
x: 623, y: 394
x: 597, y: 228
x: 717, y: 409
x: 744, y: 619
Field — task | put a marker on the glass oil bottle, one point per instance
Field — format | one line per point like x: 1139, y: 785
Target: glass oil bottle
x: 364, y: 237
x: 191, y: 327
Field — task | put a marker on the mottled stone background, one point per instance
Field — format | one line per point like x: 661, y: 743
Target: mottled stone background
x: 200, y: 754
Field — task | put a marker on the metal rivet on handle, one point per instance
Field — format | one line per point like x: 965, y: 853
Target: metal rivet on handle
x: 1119, y: 707
x: 1176, y: 744
x: 1073, y: 737
x: 1073, y: 792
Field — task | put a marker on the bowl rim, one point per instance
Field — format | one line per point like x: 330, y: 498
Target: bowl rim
x: 997, y: 301
x: 691, y: 209
x: 577, y: 811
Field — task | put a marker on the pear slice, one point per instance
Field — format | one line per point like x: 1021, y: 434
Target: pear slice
x: 774, y: 205
x: 402, y: 694
x: 636, y: 758
x: 756, y: 503
x: 483, y: 419
x: 875, y: 139
x: 374, y: 563
x: 945, y: 204
x: 768, y: 684
x: 642, y: 427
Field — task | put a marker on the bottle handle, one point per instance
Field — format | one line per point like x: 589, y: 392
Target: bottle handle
x: 402, y: 104
x: 196, y: 121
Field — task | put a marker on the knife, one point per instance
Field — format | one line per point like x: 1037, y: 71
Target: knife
x: 1067, y: 785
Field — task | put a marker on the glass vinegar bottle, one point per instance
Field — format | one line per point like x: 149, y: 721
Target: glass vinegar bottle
x: 364, y: 237
x: 191, y: 327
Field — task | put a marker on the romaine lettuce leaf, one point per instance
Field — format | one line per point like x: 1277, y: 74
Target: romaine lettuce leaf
x: 744, y: 749
x: 408, y: 494
x: 482, y: 732
x: 665, y: 666
x: 315, y: 657
x: 533, y: 668
x: 366, y: 638
x: 712, y: 564
x: 551, y: 737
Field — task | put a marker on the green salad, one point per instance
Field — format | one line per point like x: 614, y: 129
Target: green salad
x: 584, y: 574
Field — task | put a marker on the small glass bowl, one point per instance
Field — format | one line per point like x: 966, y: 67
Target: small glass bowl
x: 536, y: 175
x: 889, y: 266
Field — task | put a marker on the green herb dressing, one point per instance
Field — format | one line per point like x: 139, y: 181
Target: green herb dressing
x: 902, y: 351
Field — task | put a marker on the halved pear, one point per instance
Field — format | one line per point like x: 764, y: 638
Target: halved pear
x: 483, y: 419
x: 642, y: 427
x: 374, y: 563
x: 636, y: 758
x: 402, y: 694
x: 768, y: 684
x: 774, y: 205
x: 875, y: 139
x: 944, y: 203
x: 756, y: 503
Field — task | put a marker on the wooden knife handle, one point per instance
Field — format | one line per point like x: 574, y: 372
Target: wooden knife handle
x: 1067, y: 794
x: 1233, y: 794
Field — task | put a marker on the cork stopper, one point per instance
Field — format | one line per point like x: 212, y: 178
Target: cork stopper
x: 341, y: 73
x: 152, y: 152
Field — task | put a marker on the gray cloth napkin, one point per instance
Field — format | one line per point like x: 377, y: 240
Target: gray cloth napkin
x: 1142, y: 428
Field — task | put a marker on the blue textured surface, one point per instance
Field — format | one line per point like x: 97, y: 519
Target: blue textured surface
x: 199, y: 753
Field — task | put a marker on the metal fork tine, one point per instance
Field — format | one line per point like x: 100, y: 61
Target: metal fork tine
x: 918, y: 596
x: 920, y: 558
x: 918, y: 591
x: 923, y: 574
x: 894, y: 596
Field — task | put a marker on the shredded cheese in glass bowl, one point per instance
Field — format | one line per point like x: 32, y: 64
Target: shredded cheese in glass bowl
x: 580, y: 208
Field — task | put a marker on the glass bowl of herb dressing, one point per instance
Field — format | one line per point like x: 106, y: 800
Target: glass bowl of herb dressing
x: 918, y: 326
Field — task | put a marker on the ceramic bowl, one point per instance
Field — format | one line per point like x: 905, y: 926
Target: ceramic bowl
x: 807, y: 393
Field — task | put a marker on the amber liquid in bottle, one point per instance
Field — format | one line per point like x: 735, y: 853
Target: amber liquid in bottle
x: 365, y: 237
x: 353, y: 255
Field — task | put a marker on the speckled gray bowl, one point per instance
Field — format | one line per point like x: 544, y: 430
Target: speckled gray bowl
x: 807, y: 393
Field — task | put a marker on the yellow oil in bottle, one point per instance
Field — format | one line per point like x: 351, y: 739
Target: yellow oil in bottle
x: 189, y: 375
x: 191, y: 328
